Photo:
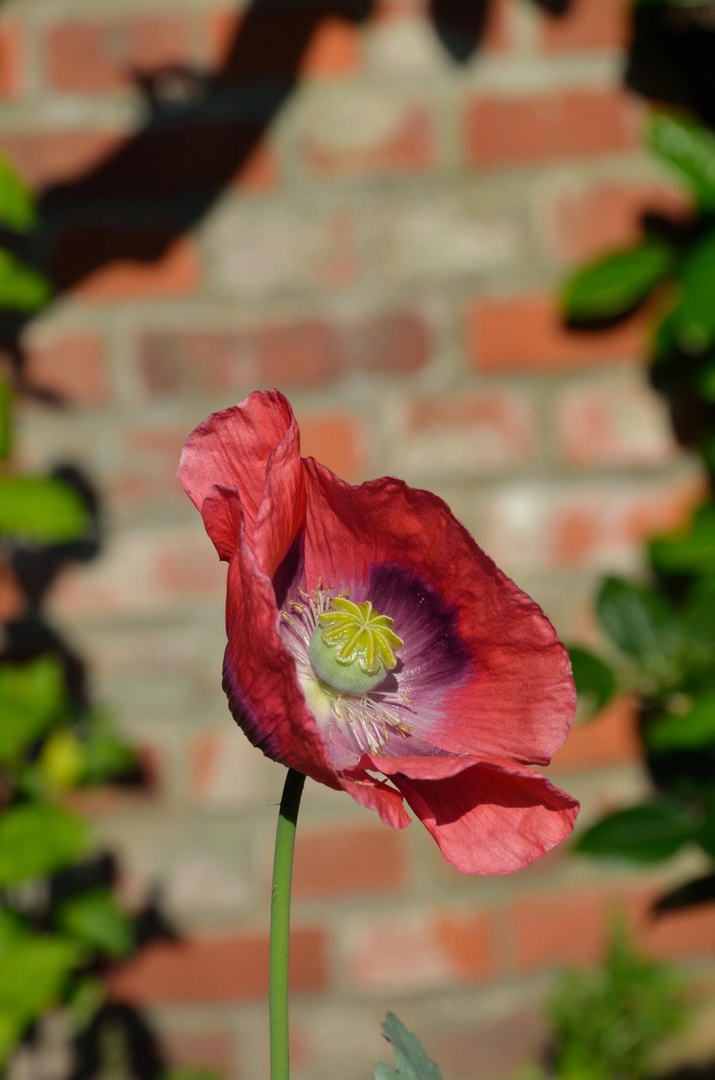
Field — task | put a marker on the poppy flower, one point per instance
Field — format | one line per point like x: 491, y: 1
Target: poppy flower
x: 373, y: 646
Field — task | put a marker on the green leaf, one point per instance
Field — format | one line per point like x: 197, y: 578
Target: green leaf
x: 41, y: 508
x: 10, y: 1034
x: 22, y: 288
x: 33, y: 971
x: 410, y: 1059
x: 106, y: 756
x: 690, y: 550
x: 96, y: 919
x: 694, y: 317
x: 32, y: 698
x: 7, y: 400
x: 693, y: 729
x: 17, y: 205
x: 689, y: 147
x: 615, y: 284
x: 37, y: 840
x: 595, y: 681
x: 641, y: 834
x: 643, y: 625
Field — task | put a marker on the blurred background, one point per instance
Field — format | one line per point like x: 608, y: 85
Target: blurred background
x: 372, y: 205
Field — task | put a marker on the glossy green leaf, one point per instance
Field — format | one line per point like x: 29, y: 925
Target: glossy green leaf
x: 643, y: 625
x: 690, y: 550
x: 689, y: 147
x: 694, y: 728
x: 615, y: 284
x: 95, y: 919
x: 10, y: 1033
x: 641, y: 834
x: 694, y: 317
x: 22, y: 288
x: 41, y: 508
x: 411, y: 1062
x: 32, y: 697
x: 594, y: 679
x: 17, y: 205
x: 36, y: 840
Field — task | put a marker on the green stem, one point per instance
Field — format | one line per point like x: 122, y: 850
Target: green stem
x: 280, y: 924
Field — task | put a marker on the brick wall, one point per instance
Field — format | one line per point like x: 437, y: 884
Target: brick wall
x: 387, y: 255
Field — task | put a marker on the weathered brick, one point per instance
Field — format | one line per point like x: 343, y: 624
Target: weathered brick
x: 12, y: 58
x: 417, y: 950
x: 209, y: 1048
x: 619, y: 422
x: 219, y: 968
x: 336, y: 440
x: 361, y: 132
x: 309, y: 352
x: 525, y: 333
x: 292, y: 41
x: 69, y: 364
x: 90, y: 55
x: 608, y: 739
x: 565, y: 124
x: 50, y: 156
x: 348, y: 861
x: 225, y: 770
x: 592, y: 24
x: 585, y: 220
x: 465, y: 435
x: 552, y: 930
x: 159, y: 265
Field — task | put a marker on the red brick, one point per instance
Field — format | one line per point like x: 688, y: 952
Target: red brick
x: 12, y: 60
x: 608, y: 739
x: 333, y: 50
x: 470, y: 432
x: 592, y: 24
x: 105, y: 54
x: 261, y: 171
x: 586, y: 221
x: 555, y: 929
x: 574, y: 927
x: 409, y: 146
x: 205, y: 1050
x: 349, y: 861
x: 306, y: 353
x: 581, y: 531
x: 147, y: 472
x: 71, y: 365
x: 83, y: 256
x: 336, y: 440
x: 611, y: 424
x: 525, y: 333
x: 12, y: 600
x: 224, y: 771
x: 218, y: 968
x: 419, y: 950
x: 569, y: 124
x: 50, y: 157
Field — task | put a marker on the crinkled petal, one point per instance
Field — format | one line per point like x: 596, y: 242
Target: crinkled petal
x: 511, y: 694
x: 254, y: 449
x: 376, y: 795
x: 259, y: 675
x: 488, y: 816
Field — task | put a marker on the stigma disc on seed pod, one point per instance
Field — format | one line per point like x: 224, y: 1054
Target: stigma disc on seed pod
x: 352, y: 648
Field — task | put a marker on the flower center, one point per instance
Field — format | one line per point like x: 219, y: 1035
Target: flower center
x: 352, y: 647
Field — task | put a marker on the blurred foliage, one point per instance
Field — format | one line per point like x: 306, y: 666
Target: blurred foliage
x: 61, y: 925
x: 662, y: 631
x: 608, y: 1022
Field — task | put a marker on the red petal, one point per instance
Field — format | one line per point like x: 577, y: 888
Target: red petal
x: 488, y: 817
x: 260, y: 677
x: 376, y: 795
x: 254, y: 450
x: 517, y: 700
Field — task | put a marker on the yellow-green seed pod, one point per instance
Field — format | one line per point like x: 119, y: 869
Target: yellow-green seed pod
x: 352, y: 647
